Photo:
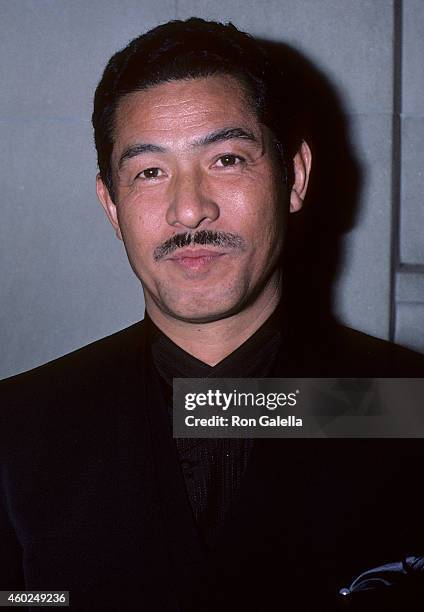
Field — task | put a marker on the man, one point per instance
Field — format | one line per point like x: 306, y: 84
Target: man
x: 199, y: 168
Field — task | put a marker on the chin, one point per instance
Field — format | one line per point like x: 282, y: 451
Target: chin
x: 201, y: 310
x: 201, y: 306
x: 205, y: 314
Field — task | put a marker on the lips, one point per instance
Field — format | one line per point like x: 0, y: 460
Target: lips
x: 195, y: 254
x: 196, y: 259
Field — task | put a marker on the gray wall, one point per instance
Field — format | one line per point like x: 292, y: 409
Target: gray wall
x: 65, y: 278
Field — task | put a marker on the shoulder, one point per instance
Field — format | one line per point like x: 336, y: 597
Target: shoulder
x: 380, y: 356
x: 336, y: 350
x: 79, y: 373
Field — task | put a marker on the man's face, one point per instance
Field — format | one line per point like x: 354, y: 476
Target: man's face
x: 191, y: 159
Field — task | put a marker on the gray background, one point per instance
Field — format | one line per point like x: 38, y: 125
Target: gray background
x: 65, y: 278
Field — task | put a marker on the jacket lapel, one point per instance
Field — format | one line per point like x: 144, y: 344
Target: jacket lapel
x: 142, y: 540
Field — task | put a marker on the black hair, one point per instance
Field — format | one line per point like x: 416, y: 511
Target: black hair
x: 185, y: 50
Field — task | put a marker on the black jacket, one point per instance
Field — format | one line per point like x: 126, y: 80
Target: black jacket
x: 93, y: 499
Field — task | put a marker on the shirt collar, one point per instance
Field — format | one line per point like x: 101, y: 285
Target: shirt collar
x: 254, y: 358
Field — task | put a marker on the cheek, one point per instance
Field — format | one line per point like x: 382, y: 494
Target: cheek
x: 140, y: 224
x: 253, y: 194
x: 258, y: 210
x: 266, y: 223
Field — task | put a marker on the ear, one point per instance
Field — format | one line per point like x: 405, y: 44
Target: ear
x: 302, y: 167
x: 108, y: 205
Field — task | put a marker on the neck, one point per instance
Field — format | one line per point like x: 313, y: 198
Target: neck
x: 212, y: 342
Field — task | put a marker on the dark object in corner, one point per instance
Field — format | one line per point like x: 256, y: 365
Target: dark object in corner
x: 393, y: 586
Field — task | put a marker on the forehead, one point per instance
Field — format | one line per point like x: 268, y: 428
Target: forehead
x: 179, y: 110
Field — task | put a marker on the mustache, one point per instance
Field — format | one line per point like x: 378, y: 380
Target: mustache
x: 203, y: 237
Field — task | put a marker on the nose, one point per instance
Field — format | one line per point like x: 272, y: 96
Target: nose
x: 191, y: 205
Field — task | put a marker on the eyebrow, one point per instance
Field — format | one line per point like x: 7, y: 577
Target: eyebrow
x: 225, y: 134
x: 218, y: 136
x: 139, y: 149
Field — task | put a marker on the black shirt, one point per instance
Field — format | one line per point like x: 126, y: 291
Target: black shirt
x: 213, y: 468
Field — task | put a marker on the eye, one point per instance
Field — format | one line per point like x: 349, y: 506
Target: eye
x: 150, y: 173
x: 229, y: 160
